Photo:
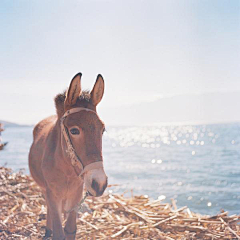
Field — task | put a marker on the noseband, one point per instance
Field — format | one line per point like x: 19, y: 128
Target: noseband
x: 75, y: 159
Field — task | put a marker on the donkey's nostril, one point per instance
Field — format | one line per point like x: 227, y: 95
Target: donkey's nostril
x: 95, y: 185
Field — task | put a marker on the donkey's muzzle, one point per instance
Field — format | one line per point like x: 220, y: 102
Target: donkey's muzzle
x: 96, y: 182
x: 98, y: 188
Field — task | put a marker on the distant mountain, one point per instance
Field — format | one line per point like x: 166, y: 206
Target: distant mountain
x: 11, y: 124
x: 195, y: 108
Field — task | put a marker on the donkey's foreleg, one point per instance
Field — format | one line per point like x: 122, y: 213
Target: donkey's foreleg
x: 73, y: 199
x: 55, y: 210
x: 71, y: 227
x: 48, y: 231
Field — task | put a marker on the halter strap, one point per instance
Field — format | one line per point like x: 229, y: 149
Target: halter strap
x: 74, y: 110
x: 75, y: 159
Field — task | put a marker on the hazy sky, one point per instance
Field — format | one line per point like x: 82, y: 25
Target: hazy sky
x: 143, y: 49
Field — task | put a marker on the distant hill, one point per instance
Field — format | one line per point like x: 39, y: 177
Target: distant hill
x: 196, y: 108
x: 11, y: 124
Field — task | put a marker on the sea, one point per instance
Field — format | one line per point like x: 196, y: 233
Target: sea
x: 196, y: 165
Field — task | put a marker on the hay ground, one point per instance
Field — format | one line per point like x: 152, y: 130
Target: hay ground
x: 23, y: 216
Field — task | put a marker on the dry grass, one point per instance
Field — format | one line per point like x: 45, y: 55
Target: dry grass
x: 23, y: 216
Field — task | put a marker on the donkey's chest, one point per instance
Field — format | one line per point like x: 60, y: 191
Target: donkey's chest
x: 73, y: 193
x: 73, y: 184
x: 63, y: 185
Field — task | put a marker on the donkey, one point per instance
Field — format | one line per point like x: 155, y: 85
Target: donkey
x: 67, y: 153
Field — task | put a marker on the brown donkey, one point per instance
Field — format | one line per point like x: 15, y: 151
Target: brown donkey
x: 67, y: 153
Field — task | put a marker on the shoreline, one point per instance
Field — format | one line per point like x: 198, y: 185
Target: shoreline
x: 112, y: 216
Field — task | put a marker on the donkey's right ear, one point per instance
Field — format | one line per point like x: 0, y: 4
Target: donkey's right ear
x: 73, y: 92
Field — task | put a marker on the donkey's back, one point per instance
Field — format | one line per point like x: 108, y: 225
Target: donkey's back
x: 41, y: 133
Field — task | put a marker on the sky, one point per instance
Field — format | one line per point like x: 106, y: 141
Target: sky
x: 145, y: 50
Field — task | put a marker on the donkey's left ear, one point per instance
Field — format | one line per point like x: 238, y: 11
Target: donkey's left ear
x: 98, y: 90
x: 74, y: 91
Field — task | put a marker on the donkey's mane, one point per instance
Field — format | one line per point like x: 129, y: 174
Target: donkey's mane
x: 85, y: 97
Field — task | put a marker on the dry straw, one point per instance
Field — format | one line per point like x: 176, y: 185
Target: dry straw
x: 23, y: 216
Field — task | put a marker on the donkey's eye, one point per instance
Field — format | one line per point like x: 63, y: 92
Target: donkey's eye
x: 74, y: 131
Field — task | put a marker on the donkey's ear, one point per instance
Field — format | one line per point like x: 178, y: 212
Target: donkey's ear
x: 74, y: 91
x: 98, y: 90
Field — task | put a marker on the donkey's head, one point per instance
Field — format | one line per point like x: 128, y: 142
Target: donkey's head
x: 85, y: 129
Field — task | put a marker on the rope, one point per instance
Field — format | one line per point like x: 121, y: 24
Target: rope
x: 78, y: 207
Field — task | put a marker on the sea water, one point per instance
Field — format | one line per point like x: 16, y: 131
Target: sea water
x: 197, y: 165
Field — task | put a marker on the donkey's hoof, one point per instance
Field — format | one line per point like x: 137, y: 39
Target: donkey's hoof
x: 70, y: 235
x: 48, y: 234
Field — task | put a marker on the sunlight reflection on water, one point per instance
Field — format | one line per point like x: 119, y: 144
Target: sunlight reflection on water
x: 193, y: 164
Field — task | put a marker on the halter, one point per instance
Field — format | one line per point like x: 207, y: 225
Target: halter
x: 75, y: 159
